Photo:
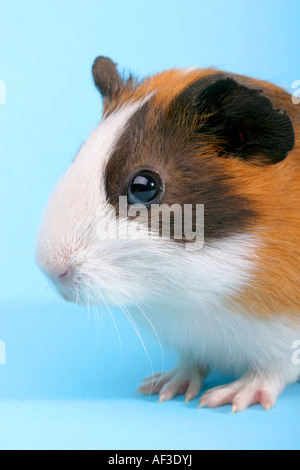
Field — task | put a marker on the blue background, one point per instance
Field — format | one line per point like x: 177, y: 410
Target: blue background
x: 68, y: 382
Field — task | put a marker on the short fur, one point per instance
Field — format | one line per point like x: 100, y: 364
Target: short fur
x: 228, y: 142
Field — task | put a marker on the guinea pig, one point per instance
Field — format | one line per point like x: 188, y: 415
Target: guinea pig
x: 229, y: 301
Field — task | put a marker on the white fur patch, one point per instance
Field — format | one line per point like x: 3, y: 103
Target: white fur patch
x: 188, y: 70
x: 68, y: 232
x: 182, y: 293
x: 199, y: 325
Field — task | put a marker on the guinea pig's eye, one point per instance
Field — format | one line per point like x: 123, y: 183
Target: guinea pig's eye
x: 145, y: 188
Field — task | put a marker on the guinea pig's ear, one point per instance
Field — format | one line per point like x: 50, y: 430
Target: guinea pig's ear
x: 242, y: 121
x: 107, y: 78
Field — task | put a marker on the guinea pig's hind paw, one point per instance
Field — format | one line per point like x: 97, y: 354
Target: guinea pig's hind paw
x: 179, y: 381
x: 249, y: 390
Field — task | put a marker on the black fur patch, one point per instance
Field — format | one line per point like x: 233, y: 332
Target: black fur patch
x: 165, y: 144
x: 239, y: 119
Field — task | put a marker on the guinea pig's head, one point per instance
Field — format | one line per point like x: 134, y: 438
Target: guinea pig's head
x: 180, y: 138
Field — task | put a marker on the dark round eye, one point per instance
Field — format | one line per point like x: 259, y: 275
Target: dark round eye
x: 144, y: 188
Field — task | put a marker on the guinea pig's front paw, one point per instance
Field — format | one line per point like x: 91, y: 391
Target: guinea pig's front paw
x: 252, y: 389
x: 185, y: 379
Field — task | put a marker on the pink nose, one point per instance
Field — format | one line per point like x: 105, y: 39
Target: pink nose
x: 65, y: 275
x: 59, y: 270
x: 62, y: 276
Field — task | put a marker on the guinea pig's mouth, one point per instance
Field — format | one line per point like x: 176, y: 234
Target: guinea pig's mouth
x: 66, y: 297
x: 68, y: 293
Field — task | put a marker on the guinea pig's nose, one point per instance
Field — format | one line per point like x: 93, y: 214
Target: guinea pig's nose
x: 65, y: 275
x: 59, y: 275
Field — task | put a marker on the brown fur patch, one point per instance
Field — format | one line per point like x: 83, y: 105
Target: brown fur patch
x: 275, y: 190
x: 238, y: 196
x: 192, y: 170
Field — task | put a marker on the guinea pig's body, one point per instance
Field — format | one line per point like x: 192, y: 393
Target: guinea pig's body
x: 190, y: 137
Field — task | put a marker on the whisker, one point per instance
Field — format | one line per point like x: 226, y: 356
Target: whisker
x: 77, y: 300
x: 158, y: 340
x: 88, y: 308
x: 118, y: 333
x: 97, y: 321
x: 56, y: 168
x: 133, y: 324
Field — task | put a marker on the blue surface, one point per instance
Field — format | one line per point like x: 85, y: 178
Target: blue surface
x: 67, y: 383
